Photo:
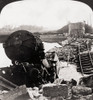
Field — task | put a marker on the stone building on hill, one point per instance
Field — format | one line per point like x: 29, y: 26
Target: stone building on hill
x: 77, y: 30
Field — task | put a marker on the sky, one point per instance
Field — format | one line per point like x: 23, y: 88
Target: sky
x: 50, y: 14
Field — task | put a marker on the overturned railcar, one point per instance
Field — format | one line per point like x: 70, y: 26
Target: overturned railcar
x: 26, y: 52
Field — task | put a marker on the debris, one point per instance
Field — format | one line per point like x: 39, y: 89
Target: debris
x: 33, y: 93
x: 53, y: 90
x: 77, y: 90
x: 13, y: 94
x: 79, y: 97
x: 86, y: 81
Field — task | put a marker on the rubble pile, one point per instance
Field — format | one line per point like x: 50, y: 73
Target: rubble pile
x: 43, y: 83
x: 82, y: 93
x: 59, y: 90
x: 15, y: 94
x: 70, y: 49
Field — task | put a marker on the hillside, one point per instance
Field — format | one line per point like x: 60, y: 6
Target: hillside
x: 88, y: 29
x: 47, y: 36
x: 9, y: 29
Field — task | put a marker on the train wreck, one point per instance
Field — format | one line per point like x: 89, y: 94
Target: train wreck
x: 34, y: 74
x: 29, y: 65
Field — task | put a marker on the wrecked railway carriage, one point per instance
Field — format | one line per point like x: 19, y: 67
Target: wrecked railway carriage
x: 26, y: 52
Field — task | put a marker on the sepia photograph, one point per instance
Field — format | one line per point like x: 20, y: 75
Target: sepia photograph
x: 46, y: 50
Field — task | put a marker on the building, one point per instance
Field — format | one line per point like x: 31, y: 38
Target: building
x: 77, y: 30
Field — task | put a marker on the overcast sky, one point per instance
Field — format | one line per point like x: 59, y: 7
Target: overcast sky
x: 51, y: 14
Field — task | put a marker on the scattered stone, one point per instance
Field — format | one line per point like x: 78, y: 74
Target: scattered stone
x: 13, y: 94
x: 54, y: 90
x: 76, y: 90
x: 79, y: 97
x: 86, y: 81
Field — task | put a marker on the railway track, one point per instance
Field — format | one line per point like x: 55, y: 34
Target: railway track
x: 85, y: 60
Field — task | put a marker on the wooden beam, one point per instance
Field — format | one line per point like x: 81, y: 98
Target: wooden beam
x: 7, y: 84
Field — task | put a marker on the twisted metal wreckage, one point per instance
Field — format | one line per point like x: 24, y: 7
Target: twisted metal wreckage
x: 29, y: 65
